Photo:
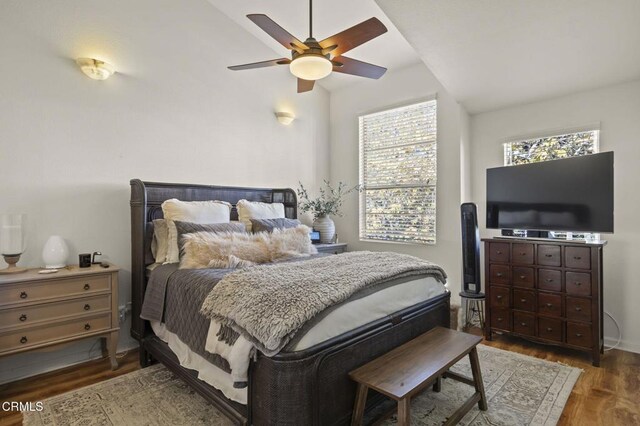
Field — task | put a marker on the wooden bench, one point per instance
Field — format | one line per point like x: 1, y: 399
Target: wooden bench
x: 423, y: 361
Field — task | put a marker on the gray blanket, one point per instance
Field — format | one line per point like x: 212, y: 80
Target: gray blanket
x: 268, y: 304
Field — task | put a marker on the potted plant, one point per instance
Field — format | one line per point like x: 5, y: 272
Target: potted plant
x: 322, y: 207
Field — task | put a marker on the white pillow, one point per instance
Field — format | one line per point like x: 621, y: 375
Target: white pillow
x: 204, y: 212
x: 248, y: 210
x: 160, y: 242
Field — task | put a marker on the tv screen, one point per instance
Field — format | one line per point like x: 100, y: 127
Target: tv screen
x: 573, y: 194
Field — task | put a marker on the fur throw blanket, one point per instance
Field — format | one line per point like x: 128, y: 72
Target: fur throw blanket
x: 238, y: 250
x: 268, y: 304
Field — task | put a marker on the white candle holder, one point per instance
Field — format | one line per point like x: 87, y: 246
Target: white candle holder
x: 12, y: 241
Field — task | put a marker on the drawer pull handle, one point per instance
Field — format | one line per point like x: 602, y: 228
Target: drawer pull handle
x: 524, y: 253
x: 499, y: 274
x: 578, y: 283
x: 499, y: 252
x: 87, y: 286
x: 23, y: 295
x: 578, y: 308
x: 23, y: 317
x: 548, y: 255
x: 499, y: 296
x: 87, y: 307
x: 578, y: 335
x: 523, y: 300
x: 87, y: 326
x: 524, y: 324
x: 23, y: 339
x: 522, y: 277
x: 549, y: 305
x: 549, y: 329
x: 549, y: 280
x: 577, y: 257
x: 499, y: 319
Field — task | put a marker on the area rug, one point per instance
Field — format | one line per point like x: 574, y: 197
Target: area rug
x: 521, y: 390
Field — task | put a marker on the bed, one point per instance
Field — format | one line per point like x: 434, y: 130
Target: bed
x: 306, y: 386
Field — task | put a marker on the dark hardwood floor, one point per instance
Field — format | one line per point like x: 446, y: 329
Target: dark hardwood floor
x: 609, y: 395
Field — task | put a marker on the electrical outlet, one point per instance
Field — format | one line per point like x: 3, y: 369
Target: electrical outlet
x: 123, y: 310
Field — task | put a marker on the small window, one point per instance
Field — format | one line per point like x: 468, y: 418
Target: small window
x: 552, y: 148
x: 398, y: 162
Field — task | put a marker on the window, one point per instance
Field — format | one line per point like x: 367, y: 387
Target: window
x: 552, y: 148
x: 398, y: 174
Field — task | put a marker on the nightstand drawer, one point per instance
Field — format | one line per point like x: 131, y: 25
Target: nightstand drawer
x: 54, y: 289
x: 52, y: 311
x: 16, y: 340
x: 579, y: 334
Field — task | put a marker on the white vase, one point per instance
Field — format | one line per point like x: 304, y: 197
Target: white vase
x: 55, y: 253
x: 327, y: 229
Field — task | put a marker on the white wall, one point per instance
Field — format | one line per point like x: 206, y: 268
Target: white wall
x: 617, y: 109
x: 404, y: 86
x: 69, y: 145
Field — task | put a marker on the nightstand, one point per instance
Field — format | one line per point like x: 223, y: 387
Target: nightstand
x: 331, y: 248
x: 41, y: 310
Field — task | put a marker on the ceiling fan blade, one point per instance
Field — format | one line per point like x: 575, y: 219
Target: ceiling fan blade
x: 359, y: 68
x: 354, y: 36
x: 281, y: 35
x: 305, y: 85
x: 281, y: 61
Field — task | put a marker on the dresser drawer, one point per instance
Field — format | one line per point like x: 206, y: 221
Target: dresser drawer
x: 501, y: 318
x: 578, y: 283
x: 579, y: 334
x: 550, y: 304
x: 499, y: 252
x: 549, y: 279
x: 524, y: 300
x: 577, y: 257
x: 522, y: 277
x: 522, y: 254
x: 524, y: 323
x: 578, y: 309
x: 549, y: 255
x: 500, y: 274
x: 44, y: 290
x: 500, y: 297
x: 54, y: 310
x: 550, y: 329
x: 17, y: 340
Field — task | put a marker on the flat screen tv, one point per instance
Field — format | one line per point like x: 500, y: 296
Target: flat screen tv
x: 573, y: 194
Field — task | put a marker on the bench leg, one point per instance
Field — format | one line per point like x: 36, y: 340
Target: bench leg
x: 404, y: 412
x: 437, y: 385
x: 477, y: 378
x: 361, y: 402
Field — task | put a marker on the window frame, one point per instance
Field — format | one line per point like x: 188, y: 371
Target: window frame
x: 362, y: 172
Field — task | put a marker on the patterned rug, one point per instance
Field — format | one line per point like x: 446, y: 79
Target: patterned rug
x: 521, y: 390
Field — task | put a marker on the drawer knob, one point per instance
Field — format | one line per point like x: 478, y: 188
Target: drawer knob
x: 578, y: 335
x: 523, y: 300
x: 23, y: 317
x: 524, y: 324
x: 87, y: 286
x: 549, y: 305
x: 549, y: 329
x: 87, y: 307
x: 23, y: 339
x: 499, y: 274
x: 548, y: 255
x: 499, y: 319
x: 499, y: 296
x: 549, y: 280
x: 578, y: 308
x: 577, y: 257
x: 578, y: 283
x: 522, y: 277
x: 523, y: 253
x: 87, y: 326
x: 23, y: 295
x: 499, y: 252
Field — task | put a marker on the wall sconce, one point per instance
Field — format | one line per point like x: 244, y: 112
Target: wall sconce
x: 285, y: 118
x: 95, y: 69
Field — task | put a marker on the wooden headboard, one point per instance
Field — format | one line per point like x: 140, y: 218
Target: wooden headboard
x: 146, y: 202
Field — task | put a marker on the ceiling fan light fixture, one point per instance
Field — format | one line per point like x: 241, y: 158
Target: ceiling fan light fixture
x: 311, y: 67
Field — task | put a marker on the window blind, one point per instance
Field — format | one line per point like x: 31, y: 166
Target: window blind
x: 398, y: 165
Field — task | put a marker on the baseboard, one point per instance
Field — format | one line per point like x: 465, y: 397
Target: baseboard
x: 624, y: 345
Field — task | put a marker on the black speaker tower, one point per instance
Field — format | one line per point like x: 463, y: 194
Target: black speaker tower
x: 471, y: 294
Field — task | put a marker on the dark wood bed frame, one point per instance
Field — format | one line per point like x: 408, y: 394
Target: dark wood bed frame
x: 309, y: 387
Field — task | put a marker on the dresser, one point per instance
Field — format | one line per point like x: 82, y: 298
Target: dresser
x: 335, y: 248
x: 42, y: 310
x: 546, y: 291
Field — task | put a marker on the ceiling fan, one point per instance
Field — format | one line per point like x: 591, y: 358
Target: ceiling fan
x: 312, y: 60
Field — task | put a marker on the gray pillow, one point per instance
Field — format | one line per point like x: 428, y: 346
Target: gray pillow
x: 268, y: 225
x: 218, y: 228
